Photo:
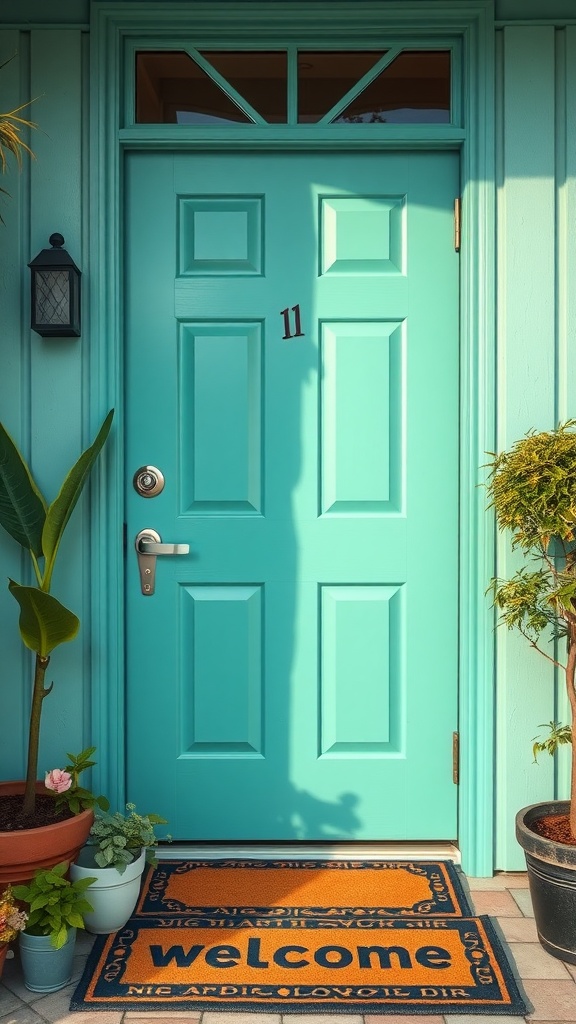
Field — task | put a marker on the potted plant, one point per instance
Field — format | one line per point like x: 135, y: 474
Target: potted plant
x: 38, y: 528
x: 12, y: 921
x: 532, y: 488
x: 56, y: 910
x: 118, y: 847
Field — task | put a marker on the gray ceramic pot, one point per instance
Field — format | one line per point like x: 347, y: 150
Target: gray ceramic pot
x: 552, y: 876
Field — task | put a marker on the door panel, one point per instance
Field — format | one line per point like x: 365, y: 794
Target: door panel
x: 292, y: 368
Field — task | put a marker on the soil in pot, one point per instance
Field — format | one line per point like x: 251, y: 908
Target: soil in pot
x: 11, y: 819
x: 555, y: 827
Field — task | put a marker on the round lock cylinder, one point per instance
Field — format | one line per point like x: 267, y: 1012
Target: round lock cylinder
x: 148, y: 481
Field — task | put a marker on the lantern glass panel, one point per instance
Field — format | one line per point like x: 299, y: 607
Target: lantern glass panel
x: 52, y: 297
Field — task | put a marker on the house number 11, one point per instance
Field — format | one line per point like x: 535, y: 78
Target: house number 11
x: 298, y: 333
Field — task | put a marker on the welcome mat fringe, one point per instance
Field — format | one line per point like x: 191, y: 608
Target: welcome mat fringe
x: 384, y: 937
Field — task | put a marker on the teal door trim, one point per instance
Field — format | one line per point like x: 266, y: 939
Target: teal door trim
x: 112, y: 26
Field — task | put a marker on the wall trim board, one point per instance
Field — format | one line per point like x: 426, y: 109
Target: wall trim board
x: 114, y: 24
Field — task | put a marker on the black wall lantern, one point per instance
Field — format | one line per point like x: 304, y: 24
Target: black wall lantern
x: 55, y: 293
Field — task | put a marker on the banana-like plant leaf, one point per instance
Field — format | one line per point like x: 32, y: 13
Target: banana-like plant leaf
x: 61, y: 509
x: 22, y: 507
x: 44, y: 622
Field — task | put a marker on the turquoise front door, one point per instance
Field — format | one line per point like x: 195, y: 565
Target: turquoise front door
x: 292, y: 370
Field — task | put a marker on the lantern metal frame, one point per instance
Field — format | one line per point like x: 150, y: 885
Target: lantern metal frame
x: 55, y: 292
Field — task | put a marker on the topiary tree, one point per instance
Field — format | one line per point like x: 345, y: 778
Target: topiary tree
x: 532, y: 488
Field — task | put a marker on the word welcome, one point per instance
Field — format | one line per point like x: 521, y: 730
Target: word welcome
x: 295, y: 957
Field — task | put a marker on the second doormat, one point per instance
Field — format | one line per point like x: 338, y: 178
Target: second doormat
x: 302, y: 937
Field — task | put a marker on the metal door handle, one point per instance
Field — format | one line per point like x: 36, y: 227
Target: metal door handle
x: 152, y: 547
x: 148, y: 545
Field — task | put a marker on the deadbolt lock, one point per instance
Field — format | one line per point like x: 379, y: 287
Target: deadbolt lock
x: 148, y: 481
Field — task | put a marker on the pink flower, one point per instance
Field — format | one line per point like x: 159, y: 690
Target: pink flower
x: 58, y: 780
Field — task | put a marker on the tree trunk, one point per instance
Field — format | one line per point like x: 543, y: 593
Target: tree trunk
x: 38, y: 695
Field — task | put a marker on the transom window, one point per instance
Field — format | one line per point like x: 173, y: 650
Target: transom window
x: 214, y: 87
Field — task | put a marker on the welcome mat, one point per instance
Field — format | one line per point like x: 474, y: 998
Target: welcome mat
x: 302, y: 937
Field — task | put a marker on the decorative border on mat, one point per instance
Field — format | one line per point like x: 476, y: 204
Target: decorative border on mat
x: 449, y: 898
x: 495, y: 990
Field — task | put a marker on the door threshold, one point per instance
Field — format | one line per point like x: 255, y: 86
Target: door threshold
x: 311, y: 851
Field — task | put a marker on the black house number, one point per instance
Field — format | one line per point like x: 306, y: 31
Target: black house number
x: 298, y: 333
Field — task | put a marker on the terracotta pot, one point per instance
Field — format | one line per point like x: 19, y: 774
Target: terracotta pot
x: 3, y: 951
x: 25, y: 851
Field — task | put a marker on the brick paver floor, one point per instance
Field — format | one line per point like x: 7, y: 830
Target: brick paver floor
x: 549, y: 985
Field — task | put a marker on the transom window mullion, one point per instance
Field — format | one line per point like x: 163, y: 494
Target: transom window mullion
x: 361, y: 85
x: 292, y: 85
x: 228, y: 89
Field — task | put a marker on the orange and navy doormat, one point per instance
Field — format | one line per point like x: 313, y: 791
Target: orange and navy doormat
x: 302, y: 936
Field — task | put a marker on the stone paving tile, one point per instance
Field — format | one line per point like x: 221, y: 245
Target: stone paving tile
x: 395, y: 1018
x: 487, y: 885
x: 524, y: 901
x: 84, y: 941
x: 182, y: 1016
x: 24, y: 1015
x: 551, y: 1000
x: 518, y: 929
x: 498, y: 904
x: 532, y: 961
x: 163, y: 1018
x: 215, y: 1017
x: 476, y: 1018
x: 322, y: 1018
x: 12, y: 979
x: 55, y: 1008
x: 8, y: 1001
x: 514, y: 879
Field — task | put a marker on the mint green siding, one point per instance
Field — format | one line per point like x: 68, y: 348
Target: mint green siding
x: 43, y: 384
x: 52, y: 394
x: 536, y: 386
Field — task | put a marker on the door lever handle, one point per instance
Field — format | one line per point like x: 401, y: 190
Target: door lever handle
x: 148, y: 545
x: 152, y: 547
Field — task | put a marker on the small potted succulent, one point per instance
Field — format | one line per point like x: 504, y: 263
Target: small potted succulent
x: 12, y: 921
x: 532, y: 488
x: 117, y: 850
x: 56, y: 909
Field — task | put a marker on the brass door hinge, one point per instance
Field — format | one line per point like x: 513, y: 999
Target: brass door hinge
x: 457, y: 223
x: 456, y: 758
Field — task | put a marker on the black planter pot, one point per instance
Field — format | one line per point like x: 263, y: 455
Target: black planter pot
x: 552, y: 876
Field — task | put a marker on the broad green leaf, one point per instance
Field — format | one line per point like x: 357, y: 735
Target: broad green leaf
x: 75, y: 920
x: 58, y: 939
x: 44, y: 622
x: 22, y: 507
x: 61, y: 509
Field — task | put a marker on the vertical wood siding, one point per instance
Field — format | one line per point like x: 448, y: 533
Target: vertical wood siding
x: 42, y: 394
x: 536, y: 361
x: 44, y: 385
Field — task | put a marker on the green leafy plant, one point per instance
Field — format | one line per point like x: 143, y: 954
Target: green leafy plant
x: 67, y: 790
x: 532, y: 488
x: 39, y: 527
x: 11, y: 141
x: 119, y: 837
x: 55, y: 903
x: 558, y: 736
